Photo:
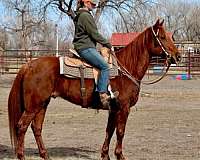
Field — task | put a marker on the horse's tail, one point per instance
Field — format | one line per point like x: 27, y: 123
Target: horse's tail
x: 15, y: 106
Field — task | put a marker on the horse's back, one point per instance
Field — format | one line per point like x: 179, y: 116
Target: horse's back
x: 44, y: 63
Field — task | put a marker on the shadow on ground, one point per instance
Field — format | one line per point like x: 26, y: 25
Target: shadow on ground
x: 61, y: 152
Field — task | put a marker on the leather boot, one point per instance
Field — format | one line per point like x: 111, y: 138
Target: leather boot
x: 105, y: 99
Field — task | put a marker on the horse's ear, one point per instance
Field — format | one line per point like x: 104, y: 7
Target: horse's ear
x: 162, y: 22
x: 156, y: 24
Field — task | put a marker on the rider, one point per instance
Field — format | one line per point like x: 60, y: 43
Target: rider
x: 85, y: 39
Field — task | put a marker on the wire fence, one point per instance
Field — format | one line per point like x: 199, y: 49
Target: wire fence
x: 12, y: 60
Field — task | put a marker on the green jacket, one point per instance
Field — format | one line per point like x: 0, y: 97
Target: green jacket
x: 86, y: 33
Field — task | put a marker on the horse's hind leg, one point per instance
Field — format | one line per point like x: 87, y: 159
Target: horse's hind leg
x: 37, y: 130
x: 109, y: 133
x: 22, y: 126
x: 121, y: 120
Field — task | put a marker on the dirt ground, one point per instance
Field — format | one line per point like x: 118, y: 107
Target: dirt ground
x: 166, y: 126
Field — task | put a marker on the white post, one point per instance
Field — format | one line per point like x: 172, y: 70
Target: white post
x: 56, y: 27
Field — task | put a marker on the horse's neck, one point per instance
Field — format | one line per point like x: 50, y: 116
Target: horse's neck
x: 135, y: 57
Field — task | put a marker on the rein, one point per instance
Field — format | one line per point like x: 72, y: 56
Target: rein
x: 125, y: 71
x: 136, y: 81
x: 157, y: 79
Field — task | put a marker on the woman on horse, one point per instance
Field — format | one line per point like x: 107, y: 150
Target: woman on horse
x: 85, y: 39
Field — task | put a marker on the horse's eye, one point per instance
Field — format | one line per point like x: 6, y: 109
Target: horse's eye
x: 162, y: 37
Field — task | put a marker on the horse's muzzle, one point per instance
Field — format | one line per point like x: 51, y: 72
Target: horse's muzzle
x: 175, y: 59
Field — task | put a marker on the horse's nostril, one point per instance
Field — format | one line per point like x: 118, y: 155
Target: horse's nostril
x: 178, y: 57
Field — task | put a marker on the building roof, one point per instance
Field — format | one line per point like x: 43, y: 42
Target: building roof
x: 123, y: 39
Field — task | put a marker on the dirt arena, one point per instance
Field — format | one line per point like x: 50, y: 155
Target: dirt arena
x: 166, y: 126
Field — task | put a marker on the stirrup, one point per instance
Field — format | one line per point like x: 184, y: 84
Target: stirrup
x: 115, y: 94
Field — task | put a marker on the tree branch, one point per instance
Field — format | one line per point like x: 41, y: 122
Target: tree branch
x: 69, y: 11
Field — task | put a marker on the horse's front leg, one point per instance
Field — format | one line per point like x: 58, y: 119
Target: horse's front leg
x: 121, y: 119
x: 109, y: 133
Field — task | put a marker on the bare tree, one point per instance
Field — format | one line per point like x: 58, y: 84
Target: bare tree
x: 24, y: 20
x: 129, y: 15
x: 30, y: 18
x: 3, y: 38
x: 181, y: 18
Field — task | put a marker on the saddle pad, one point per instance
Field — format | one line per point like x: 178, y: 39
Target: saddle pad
x: 70, y: 67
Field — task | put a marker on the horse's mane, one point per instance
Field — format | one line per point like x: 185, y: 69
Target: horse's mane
x: 130, y: 55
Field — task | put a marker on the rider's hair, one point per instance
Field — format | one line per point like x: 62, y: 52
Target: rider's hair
x: 80, y: 4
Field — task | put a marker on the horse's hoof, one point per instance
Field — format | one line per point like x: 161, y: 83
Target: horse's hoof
x: 120, y: 157
x: 105, y: 157
x: 44, y: 155
x: 47, y: 158
x: 20, y: 156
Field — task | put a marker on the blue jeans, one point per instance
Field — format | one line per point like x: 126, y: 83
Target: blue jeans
x: 94, y: 58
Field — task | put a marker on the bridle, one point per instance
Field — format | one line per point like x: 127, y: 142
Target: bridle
x: 159, y: 42
x: 168, y: 60
x: 125, y: 72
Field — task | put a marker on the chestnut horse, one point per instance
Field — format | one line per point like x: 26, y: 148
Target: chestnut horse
x: 38, y: 79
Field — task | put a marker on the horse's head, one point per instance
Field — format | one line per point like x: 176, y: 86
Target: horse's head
x: 163, y: 44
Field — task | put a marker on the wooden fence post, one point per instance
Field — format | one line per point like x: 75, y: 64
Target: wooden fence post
x: 189, y: 64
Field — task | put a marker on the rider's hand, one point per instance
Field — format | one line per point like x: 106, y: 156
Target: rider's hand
x: 112, y: 49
